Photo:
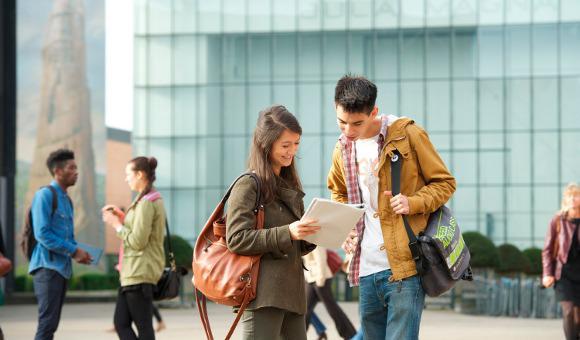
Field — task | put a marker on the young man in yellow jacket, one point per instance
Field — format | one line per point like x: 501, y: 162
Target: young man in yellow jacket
x: 391, y: 296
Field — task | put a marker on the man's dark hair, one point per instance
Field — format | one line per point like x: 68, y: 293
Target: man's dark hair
x: 355, y: 94
x: 58, y: 158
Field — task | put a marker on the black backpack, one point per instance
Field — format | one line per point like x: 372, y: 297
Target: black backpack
x: 28, y: 240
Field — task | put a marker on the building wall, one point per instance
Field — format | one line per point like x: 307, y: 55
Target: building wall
x: 495, y: 84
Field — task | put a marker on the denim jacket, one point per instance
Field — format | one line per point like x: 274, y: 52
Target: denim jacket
x: 54, y: 233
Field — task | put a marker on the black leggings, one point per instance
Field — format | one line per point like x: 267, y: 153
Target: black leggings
x: 135, y: 305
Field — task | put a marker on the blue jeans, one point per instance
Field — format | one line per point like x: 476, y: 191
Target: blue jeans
x: 50, y: 289
x: 390, y: 310
x: 317, y: 323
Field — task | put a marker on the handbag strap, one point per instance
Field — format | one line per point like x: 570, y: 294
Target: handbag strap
x: 171, y: 256
x: 396, y: 165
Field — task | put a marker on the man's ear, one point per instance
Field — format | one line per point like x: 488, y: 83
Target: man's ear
x: 374, y: 112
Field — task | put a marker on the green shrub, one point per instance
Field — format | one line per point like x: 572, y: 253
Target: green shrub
x: 95, y: 281
x: 23, y: 283
x: 512, y: 260
x: 534, y: 256
x: 482, y: 250
x: 182, y: 250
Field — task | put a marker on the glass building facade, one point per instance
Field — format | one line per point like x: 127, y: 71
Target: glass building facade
x: 496, y: 83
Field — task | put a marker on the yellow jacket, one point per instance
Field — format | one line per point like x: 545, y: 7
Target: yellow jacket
x: 425, y: 180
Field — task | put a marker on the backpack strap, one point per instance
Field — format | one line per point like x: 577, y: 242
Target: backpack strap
x: 54, y: 199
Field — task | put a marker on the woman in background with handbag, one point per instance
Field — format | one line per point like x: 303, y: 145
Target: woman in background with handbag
x: 142, y: 231
x: 561, y: 259
x: 278, y: 310
x: 319, y: 276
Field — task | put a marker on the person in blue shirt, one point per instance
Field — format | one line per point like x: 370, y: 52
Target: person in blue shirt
x: 50, y: 264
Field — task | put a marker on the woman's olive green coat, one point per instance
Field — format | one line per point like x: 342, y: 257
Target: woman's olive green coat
x: 281, y: 280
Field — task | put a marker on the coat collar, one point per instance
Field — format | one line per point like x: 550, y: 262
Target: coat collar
x: 290, y: 197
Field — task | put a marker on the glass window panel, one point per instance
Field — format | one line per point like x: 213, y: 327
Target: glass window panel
x: 519, y: 151
x: 184, y: 213
x: 185, y: 59
x: 490, y: 52
x: 360, y: 14
x: 284, y: 57
x: 234, y: 13
x: 412, y: 101
x: 140, y: 68
x: 140, y: 16
x: 328, y: 110
x: 545, y: 10
x: 185, y: 169
x: 210, y: 153
x: 546, y: 157
x: 184, y: 110
x: 570, y: 48
x: 167, y: 196
x: 309, y: 62
x: 569, y: 10
x: 547, y: 201
x: 209, y: 116
x: 519, y: 200
x: 285, y: 94
x: 518, y: 104
x: 235, y: 154
x: 285, y: 15
x: 441, y: 143
x: 329, y: 146
x: 412, y: 13
x: 159, y: 60
x: 464, y: 105
x: 438, y: 54
x: 159, y: 21
x: 518, y: 58
x: 234, y: 107
x: 386, y: 13
x: 570, y: 102
x: 260, y: 12
x: 140, y: 146
x: 464, y: 142
x: 309, y: 15
x: 491, y: 104
x: 387, y: 56
x: 260, y: 58
x: 491, y: 141
x: 491, y: 167
x: 518, y: 12
x: 388, y: 98
x: 545, y: 100
x: 309, y: 160
x: 140, y: 115
x: 438, y: 106
x: 259, y: 98
x: 206, y: 202
x: 211, y: 58
x: 438, y: 12
x: 520, y: 228
x: 309, y: 107
x: 464, y: 12
x: 185, y: 16
x: 412, y: 52
x: 465, y: 170
x: 334, y: 50
x: 209, y: 16
x: 159, y: 112
x: 161, y: 149
x: 359, y: 50
x: 570, y: 164
x: 491, y: 12
x: 545, y: 49
x: 492, y: 202
x: 334, y: 12
x: 234, y: 59
x: 464, y: 47
x: 465, y: 203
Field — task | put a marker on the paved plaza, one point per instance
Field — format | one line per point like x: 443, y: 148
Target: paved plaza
x: 88, y: 321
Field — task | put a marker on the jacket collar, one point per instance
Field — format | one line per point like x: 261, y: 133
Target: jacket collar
x: 397, y: 127
x: 290, y: 197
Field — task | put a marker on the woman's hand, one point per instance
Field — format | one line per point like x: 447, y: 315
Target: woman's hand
x: 115, y: 211
x: 548, y: 281
x: 111, y: 219
x: 302, y: 228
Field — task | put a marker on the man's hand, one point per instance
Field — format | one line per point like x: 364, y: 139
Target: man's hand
x: 300, y: 229
x: 349, y: 245
x: 399, y: 203
x: 548, y: 281
x: 82, y: 256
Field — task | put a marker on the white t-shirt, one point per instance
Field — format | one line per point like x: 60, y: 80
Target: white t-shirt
x: 373, y: 254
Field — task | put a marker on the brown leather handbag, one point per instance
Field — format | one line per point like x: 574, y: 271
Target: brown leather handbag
x: 5, y: 265
x: 220, y: 275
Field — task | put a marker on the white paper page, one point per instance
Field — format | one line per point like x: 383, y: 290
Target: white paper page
x: 336, y: 220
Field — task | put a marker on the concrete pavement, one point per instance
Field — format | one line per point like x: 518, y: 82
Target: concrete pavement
x: 89, y: 321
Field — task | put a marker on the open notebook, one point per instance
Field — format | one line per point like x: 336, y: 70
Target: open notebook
x: 336, y: 220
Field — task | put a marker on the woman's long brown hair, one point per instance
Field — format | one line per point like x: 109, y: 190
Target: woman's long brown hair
x: 147, y: 165
x: 272, y: 122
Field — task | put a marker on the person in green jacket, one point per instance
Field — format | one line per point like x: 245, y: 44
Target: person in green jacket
x: 278, y: 310
x: 142, y: 231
